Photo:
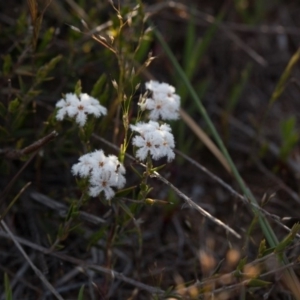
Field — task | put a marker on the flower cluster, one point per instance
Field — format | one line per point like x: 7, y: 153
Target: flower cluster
x: 154, y: 139
x: 163, y: 102
x: 104, y: 172
x: 79, y: 107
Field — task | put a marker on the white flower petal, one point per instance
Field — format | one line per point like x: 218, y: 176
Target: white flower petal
x: 163, y: 103
x: 154, y: 140
x: 79, y: 108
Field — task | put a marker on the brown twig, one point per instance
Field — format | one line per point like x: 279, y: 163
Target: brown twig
x: 209, y: 19
x: 275, y: 218
x: 188, y: 200
x: 38, y: 273
x: 13, y: 154
x: 83, y: 264
x: 16, y: 154
x: 133, y: 282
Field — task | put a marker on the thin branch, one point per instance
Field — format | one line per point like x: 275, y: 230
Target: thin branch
x: 13, y: 154
x: 209, y: 19
x: 38, y: 273
x: 16, y: 154
x: 275, y: 218
x: 138, y: 284
x: 188, y: 200
x: 192, y: 204
x: 82, y: 264
x: 62, y: 209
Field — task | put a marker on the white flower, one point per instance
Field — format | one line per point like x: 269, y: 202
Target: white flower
x: 102, y: 183
x: 79, y: 108
x: 142, y: 127
x: 66, y: 106
x: 148, y: 143
x: 163, y: 103
x: 154, y: 140
x: 92, y: 105
x: 84, y: 167
x: 104, y: 172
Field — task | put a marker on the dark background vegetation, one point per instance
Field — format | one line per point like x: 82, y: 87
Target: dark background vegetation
x: 234, y: 65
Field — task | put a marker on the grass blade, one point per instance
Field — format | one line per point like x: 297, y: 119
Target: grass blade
x: 290, y: 277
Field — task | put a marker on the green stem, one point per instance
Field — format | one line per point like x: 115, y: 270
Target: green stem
x: 270, y: 236
x: 289, y: 277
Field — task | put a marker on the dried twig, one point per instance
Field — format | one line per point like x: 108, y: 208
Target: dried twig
x: 16, y: 154
x: 275, y: 218
x: 83, y: 264
x: 63, y: 210
x: 188, y: 200
x: 38, y: 273
x: 142, y: 286
x: 192, y: 204
x: 13, y: 154
x: 209, y: 19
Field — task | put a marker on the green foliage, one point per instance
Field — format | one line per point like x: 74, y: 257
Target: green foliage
x: 8, y: 290
x: 13, y: 106
x: 262, y: 248
x: 99, y: 87
x: 255, y: 282
x: 289, y: 136
x: 238, y: 88
x: 7, y: 64
x: 235, y: 95
x: 81, y: 293
x: 285, y: 76
x: 46, y: 39
x: 288, y: 239
x: 43, y: 65
x: 252, y: 12
x: 240, y: 267
x: 78, y: 88
x: 44, y: 70
x: 194, y: 51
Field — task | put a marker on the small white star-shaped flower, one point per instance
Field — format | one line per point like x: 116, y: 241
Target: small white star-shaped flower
x: 104, y: 173
x: 79, y: 108
x: 163, y: 102
x: 154, y: 140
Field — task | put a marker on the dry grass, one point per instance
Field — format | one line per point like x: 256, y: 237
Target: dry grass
x: 199, y: 238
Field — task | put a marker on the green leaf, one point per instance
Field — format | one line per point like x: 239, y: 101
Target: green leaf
x: 262, y: 248
x: 284, y: 77
x: 238, y: 88
x: 78, y: 88
x: 218, y: 267
x: 46, y: 38
x: 43, y: 71
x: 73, y: 211
x: 126, y: 209
x: 13, y: 105
x: 136, y: 171
x: 8, y: 291
x: 126, y: 191
x: 240, y: 267
x: 80, y: 294
x: 289, y: 136
x: 156, y: 169
x: 7, y: 64
x: 288, y: 239
x: 254, y: 282
x: 143, y: 49
x: 99, y: 86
